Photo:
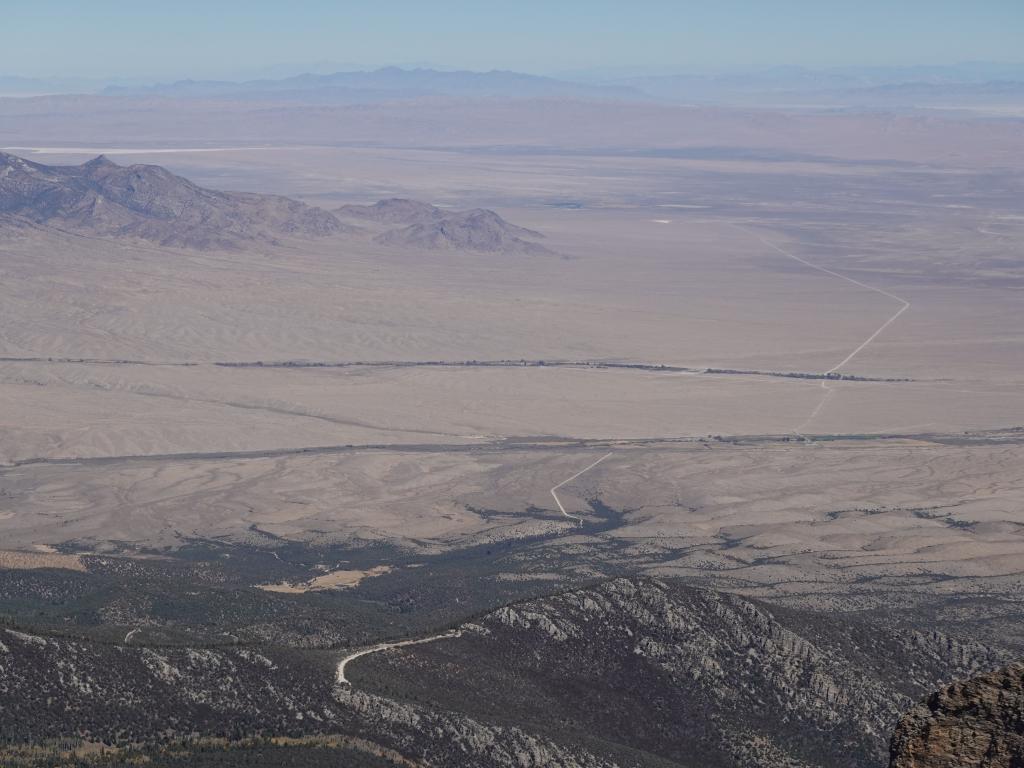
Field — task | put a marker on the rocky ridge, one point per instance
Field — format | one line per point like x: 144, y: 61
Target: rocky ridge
x: 102, y: 198
x: 147, y: 202
x: 683, y: 676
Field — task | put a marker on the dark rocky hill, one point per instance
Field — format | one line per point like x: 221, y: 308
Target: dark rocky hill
x: 977, y: 723
x: 477, y: 230
x: 412, y: 224
x: 396, y: 211
x: 151, y: 203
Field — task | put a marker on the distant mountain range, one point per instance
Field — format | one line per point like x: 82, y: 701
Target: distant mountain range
x: 902, y: 86
x: 385, y: 84
x: 931, y: 94
x: 864, y: 86
x: 148, y: 202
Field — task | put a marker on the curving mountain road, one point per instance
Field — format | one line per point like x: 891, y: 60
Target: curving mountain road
x: 340, y: 673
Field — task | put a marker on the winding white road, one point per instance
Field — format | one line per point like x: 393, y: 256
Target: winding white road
x: 587, y: 468
x: 882, y: 327
x: 340, y: 674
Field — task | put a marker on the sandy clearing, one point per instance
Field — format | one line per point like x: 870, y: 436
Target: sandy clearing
x: 17, y: 560
x: 340, y: 579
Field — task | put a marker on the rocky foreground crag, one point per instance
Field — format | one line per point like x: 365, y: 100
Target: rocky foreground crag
x: 977, y: 723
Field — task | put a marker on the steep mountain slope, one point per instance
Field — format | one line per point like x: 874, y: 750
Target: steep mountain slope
x: 680, y: 676
x: 149, y: 202
x: 977, y: 723
x: 412, y: 224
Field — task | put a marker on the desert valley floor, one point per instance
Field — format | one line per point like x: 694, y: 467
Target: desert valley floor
x: 796, y: 379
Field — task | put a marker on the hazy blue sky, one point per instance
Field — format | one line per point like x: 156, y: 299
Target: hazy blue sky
x: 211, y: 38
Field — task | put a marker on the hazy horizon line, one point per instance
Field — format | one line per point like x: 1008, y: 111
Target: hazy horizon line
x: 286, y: 70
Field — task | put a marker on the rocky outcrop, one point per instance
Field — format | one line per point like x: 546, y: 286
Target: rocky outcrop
x: 148, y: 202
x: 477, y: 230
x: 977, y: 723
x: 412, y: 224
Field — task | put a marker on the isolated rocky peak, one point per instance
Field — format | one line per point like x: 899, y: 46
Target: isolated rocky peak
x: 99, y: 164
